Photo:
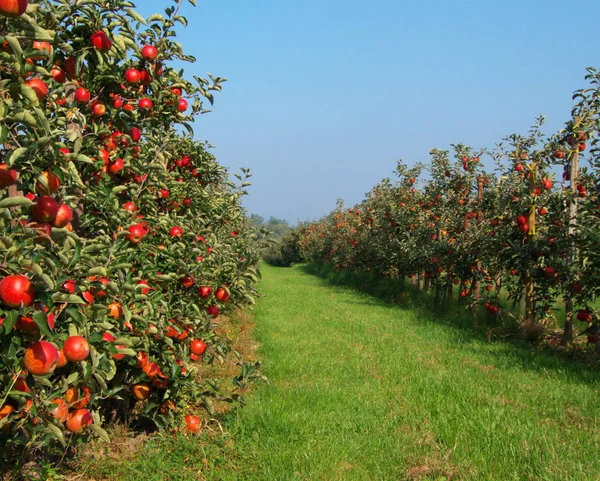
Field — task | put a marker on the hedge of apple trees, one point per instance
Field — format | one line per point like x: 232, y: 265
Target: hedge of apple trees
x: 121, y: 238
x: 528, y: 228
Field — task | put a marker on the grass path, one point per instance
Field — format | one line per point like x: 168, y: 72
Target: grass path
x: 361, y: 389
x: 365, y: 390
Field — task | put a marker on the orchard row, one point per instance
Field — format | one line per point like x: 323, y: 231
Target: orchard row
x: 121, y: 238
x: 526, y: 230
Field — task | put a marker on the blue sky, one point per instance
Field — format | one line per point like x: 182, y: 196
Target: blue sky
x: 324, y: 96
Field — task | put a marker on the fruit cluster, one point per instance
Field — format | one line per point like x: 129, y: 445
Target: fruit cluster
x: 121, y: 237
x: 512, y: 231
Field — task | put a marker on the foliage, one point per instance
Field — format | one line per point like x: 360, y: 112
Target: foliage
x: 514, y: 231
x: 94, y: 121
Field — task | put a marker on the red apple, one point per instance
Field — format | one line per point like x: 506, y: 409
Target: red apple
x: 13, y: 8
x: 100, y: 41
x: 149, y: 52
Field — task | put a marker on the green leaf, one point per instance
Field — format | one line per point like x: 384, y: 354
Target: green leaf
x: 41, y: 319
x: 16, y: 155
x: 98, y: 271
x: 57, y: 433
x: 72, y: 377
x: 67, y: 298
x: 29, y: 94
x: 100, y: 432
x: 15, y: 202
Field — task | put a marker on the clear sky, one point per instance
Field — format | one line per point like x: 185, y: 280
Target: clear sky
x: 325, y: 95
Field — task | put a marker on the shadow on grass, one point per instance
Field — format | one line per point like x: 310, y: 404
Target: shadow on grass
x: 468, y: 329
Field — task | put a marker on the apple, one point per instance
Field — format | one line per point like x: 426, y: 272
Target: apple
x: 58, y: 74
x: 76, y: 348
x: 116, y: 166
x: 39, y: 87
x: 69, y: 285
x: 79, y: 420
x: 98, y: 109
x: 13, y: 8
x: 135, y: 134
x: 45, y: 209
x: 47, y: 183
x: 146, y: 104
x: 584, y: 316
x: 149, y: 52
x: 192, y: 423
x: 182, y: 105
x: 132, y: 75
x: 547, y: 184
x: 64, y: 216
x: 100, y: 41
x: 213, y: 311
x: 136, y: 233
x: 222, y: 295
x: 176, y: 231
x: 41, y: 358
x: 198, y: 346
x: 130, y: 206
x: 82, y: 95
x: 8, y: 176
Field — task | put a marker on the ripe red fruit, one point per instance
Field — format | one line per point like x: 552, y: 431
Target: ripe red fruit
x: 547, y: 184
x: 13, y: 8
x: 581, y: 147
x: 132, y: 75
x: 182, y: 105
x: 149, y: 52
x: 82, y: 95
x: 141, y: 391
x: 100, y: 41
x: 187, y: 202
x: 549, y: 272
x: 176, y: 91
x: 45, y: 209
x: 136, y: 233
x: 76, y: 348
x: 222, y: 295
x: 521, y: 220
x: 8, y: 176
x: 584, y: 316
x: 39, y: 87
x: 164, y: 193
x: 559, y: 154
x: 41, y: 358
x: 47, y: 183
x: 145, y: 103
x: 213, y: 311
x: 61, y: 411
x: 192, y: 423
x: 198, y: 347
x: 98, y: 109
x: 116, y: 166
x: 542, y: 211
x: 176, y: 231
x: 204, y: 292
x: 524, y: 228
x: 135, y: 134
x: 130, y: 206
x: 16, y: 290
x: 108, y: 337
x: 79, y: 420
x: 58, y: 74
x: 63, y: 217
x: 519, y: 167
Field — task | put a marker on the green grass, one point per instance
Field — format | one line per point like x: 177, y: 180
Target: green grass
x: 362, y: 389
